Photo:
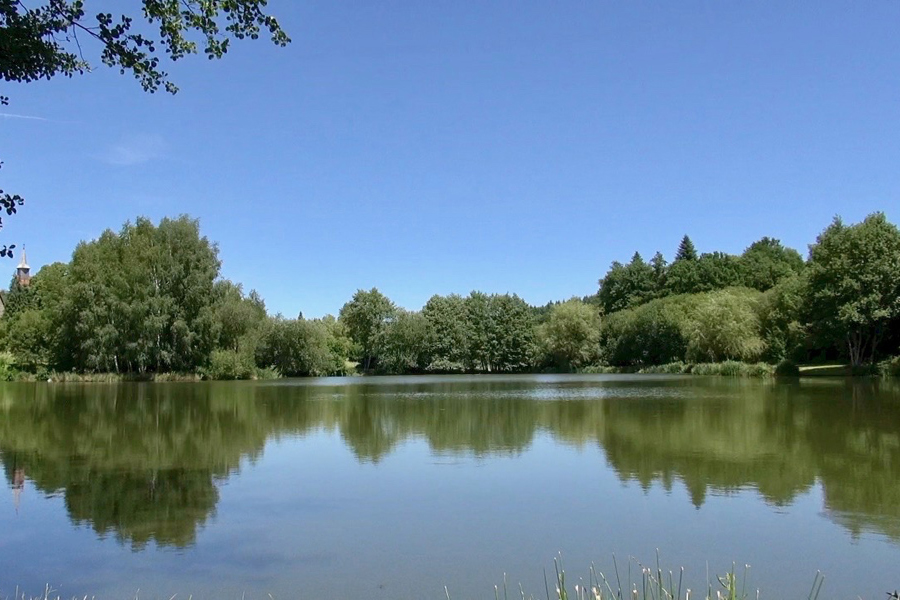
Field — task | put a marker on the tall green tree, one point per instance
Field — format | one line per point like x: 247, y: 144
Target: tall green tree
x: 854, y: 284
x: 142, y: 299
x: 571, y: 335
x: 366, y: 316
x: 625, y: 286
x: 711, y: 271
x: 686, y: 250
x: 296, y: 347
x: 500, y: 331
x: 403, y: 347
x: 447, y: 343
x: 766, y: 262
x: 235, y: 315
x: 660, y: 267
x: 725, y: 325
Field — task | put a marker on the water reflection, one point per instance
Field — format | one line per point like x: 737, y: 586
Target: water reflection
x: 142, y: 462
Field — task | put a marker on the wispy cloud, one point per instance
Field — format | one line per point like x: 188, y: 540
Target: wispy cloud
x: 134, y: 150
x: 27, y: 117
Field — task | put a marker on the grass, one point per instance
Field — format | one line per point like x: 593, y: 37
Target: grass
x: 71, y: 377
x: 729, y: 368
x: 889, y: 367
x: 653, y: 584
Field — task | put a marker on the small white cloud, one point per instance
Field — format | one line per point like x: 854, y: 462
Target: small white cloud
x: 135, y: 150
x: 15, y: 116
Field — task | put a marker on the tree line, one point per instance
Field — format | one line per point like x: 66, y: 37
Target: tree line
x: 149, y: 299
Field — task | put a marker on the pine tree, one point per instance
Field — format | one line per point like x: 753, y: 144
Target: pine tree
x: 686, y: 250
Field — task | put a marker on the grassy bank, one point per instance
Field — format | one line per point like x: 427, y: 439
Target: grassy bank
x: 887, y: 368
x: 69, y: 377
x: 731, y: 368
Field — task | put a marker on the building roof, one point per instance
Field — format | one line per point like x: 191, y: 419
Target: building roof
x: 23, y: 264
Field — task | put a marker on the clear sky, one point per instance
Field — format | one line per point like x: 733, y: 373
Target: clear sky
x: 440, y: 147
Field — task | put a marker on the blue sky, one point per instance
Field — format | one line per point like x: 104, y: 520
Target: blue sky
x: 440, y: 147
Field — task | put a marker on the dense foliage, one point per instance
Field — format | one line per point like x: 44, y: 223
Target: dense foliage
x: 149, y: 300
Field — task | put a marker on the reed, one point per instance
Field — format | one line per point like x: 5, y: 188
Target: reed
x: 653, y: 583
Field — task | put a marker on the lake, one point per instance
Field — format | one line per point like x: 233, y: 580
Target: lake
x: 397, y: 487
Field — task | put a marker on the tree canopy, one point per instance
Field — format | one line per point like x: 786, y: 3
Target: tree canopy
x: 49, y: 40
x: 43, y: 41
x: 854, y: 283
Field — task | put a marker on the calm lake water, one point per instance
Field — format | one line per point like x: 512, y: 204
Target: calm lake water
x: 396, y: 487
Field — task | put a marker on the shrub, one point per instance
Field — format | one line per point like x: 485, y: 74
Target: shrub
x: 267, y: 373
x: 787, y: 368
x: 725, y: 326
x: 443, y: 365
x: 229, y: 364
x: 651, y: 334
x: 674, y: 368
x: 889, y: 367
x: 733, y: 368
x: 7, y: 366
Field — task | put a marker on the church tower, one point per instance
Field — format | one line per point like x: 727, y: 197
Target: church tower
x: 23, y: 271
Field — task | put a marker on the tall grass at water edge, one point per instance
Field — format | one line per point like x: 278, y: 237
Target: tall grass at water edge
x: 653, y: 584
x: 729, y: 368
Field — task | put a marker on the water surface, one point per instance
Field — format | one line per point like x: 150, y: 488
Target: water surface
x: 396, y: 487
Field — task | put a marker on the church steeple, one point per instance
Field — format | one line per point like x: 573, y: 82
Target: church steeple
x: 23, y: 271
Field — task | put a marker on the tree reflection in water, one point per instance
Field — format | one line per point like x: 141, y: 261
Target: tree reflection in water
x: 141, y: 462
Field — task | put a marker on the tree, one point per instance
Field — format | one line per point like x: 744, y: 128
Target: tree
x: 766, y: 262
x: 711, y: 271
x: 660, y: 266
x: 142, y: 299
x: 725, y: 325
x: 571, y: 335
x: 514, y: 337
x: 235, y: 316
x: 446, y: 341
x: 780, y: 317
x: 295, y: 347
x: 366, y: 316
x: 500, y: 331
x: 403, y: 347
x: 651, y: 334
x: 44, y: 41
x: 626, y: 286
x: 854, y: 283
x: 686, y: 250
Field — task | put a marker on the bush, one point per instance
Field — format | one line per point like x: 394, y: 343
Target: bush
x: 268, y: 373
x: 674, y: 368
x: 725, y: 327
x: 889, y: 367
x: 229, y: 364
x: 651, y: 334
x: 733, y: 368
x: 445, y: 366
x: 7, y: 366
x: 787, y: 368
x: 604, y: 370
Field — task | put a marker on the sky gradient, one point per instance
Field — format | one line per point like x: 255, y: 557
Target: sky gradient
x: 440, y: 147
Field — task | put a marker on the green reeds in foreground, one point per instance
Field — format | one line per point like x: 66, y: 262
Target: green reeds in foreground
x: 653, y: 584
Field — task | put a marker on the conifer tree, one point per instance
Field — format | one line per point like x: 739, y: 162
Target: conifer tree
x: 686, y: 250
